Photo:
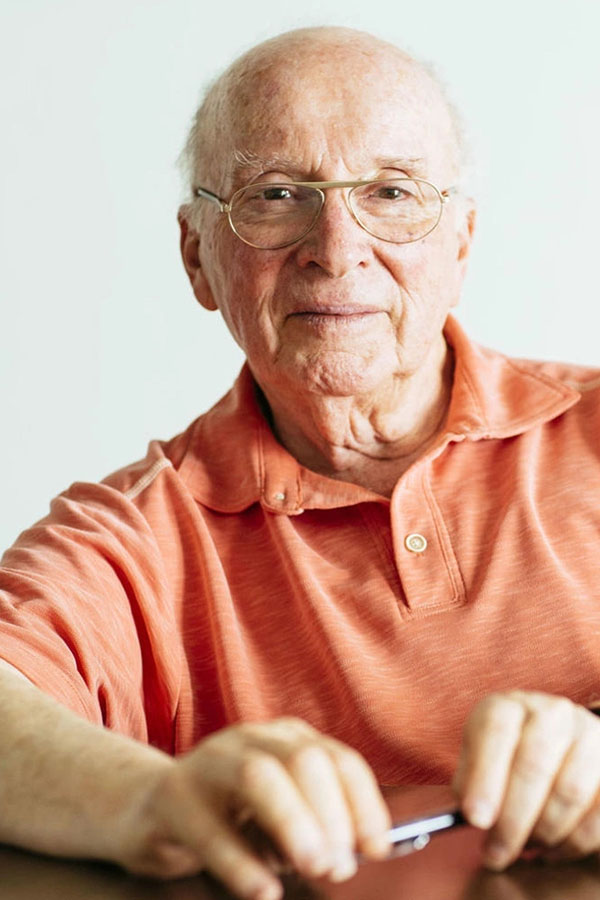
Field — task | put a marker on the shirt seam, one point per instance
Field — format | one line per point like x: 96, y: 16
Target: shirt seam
x: 546, y: 380
x: 147, y: 478
x: 470, y: 385
x: 582, y: 386
x: 262, y: 473
x: 450, y: 561
x: 539, y: 416
x: 386, y: 554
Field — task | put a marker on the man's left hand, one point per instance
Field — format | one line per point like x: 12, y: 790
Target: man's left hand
x: 529, y: 771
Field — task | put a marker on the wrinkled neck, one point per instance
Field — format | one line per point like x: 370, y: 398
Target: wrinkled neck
x: 368, y: 439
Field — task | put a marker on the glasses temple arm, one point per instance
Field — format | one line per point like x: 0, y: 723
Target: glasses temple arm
x: 208, y: 195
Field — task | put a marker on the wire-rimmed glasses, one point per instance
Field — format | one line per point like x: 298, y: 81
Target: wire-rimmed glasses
x: 269, y: 216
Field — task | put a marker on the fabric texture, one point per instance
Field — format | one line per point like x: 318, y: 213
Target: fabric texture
x: 218, y: 580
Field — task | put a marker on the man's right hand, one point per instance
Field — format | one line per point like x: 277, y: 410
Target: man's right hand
x: 314, y: 797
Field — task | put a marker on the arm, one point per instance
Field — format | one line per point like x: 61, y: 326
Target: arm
x: 71, y: 788
x: 67, y: 787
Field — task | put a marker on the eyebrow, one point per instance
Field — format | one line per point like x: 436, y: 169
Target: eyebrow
x: 246, y: 160
x: 401, y: 162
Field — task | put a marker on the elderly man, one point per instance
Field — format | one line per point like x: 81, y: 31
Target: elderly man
x: 379, y: 536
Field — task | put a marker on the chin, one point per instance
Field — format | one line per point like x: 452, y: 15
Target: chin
x: 344, y: 375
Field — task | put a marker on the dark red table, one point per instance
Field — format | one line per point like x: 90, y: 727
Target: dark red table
x: 447, y: 869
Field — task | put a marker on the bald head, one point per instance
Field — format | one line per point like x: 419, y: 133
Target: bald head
x: 258, y: 93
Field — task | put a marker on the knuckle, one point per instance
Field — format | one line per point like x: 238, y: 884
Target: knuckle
x: 351, y: 763
x: 531, y: 764
x: 571, y: 791
x: 496, y: 725
x: 294, y: 723
x: 255, y: 770
x: 496, y: 710
x: 558, y: 712
x: 307, y: 758
x: 249, y: 731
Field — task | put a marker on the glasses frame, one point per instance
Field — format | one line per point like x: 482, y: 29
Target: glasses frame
x: 320, y: 187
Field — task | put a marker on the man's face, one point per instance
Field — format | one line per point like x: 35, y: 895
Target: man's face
x: 341, y: 311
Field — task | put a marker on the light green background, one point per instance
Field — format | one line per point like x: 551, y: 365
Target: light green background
x: 102, y: 344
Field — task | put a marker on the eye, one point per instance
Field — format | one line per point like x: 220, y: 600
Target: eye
x: 390, y: 192
x: 266, y: 194
x: 275, y: 193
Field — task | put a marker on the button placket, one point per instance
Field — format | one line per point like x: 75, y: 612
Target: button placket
x: 423, y: 553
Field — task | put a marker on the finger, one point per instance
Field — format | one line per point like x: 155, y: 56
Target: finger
x: 315, y: 774
x: 582, y: 840
x: 576, y: 785
x: 201, y: 840
x: 546, y: 737
x: 265, y: 786
x: 227, y: 858
x: 490, y: 740
x: 354, y: 812
x: 369, y: 812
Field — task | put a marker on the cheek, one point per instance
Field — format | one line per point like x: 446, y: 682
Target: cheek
x: 430, y: 271
x: 244, y: 283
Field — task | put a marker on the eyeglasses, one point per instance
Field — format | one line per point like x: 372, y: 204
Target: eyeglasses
x: 270, y: 216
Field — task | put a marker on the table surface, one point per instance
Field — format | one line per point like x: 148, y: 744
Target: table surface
x: 447, y: 869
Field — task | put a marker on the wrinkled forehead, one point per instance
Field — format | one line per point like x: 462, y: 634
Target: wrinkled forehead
x: 321, y: 111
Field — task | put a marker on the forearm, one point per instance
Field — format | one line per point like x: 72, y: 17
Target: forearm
x: 68, y: 787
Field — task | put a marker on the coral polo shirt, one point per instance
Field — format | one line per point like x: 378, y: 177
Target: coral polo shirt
x: 219, y: 580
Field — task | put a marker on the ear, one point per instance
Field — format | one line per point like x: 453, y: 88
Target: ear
x: 465, y: 235
x: 190, y: 254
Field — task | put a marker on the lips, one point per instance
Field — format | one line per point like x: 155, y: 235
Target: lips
x: 336, y: 310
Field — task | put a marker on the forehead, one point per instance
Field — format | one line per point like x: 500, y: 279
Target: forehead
x: 348, y: 111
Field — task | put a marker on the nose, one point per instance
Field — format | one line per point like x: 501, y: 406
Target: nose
x: 336, y: 244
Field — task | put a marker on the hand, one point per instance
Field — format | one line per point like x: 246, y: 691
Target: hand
x: 314, y: 797
x: 530, y: 771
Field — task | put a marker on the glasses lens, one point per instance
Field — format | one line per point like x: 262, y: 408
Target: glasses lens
x: 399, y: 210
x: 274, y: 215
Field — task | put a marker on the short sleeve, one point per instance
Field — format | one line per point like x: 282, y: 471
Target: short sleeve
x: 86, y: 613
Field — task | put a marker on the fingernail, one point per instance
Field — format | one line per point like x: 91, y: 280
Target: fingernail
x: 345, y: 867
x: 480, y: 814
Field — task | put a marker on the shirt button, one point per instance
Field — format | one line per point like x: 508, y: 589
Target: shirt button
x: 416, y: 543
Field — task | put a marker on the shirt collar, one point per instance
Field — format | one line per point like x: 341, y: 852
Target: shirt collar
x: 233, y: 460
x: 494, y: 396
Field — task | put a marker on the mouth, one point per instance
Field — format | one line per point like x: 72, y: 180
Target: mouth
x: 324, y: 320
x: 348, y: 312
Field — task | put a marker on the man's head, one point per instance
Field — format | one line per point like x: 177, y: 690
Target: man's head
x: 339, y: 311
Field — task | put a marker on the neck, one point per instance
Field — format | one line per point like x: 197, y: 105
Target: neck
x: 367, y: 439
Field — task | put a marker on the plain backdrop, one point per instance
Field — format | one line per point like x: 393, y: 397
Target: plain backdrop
x: 102, y: 344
